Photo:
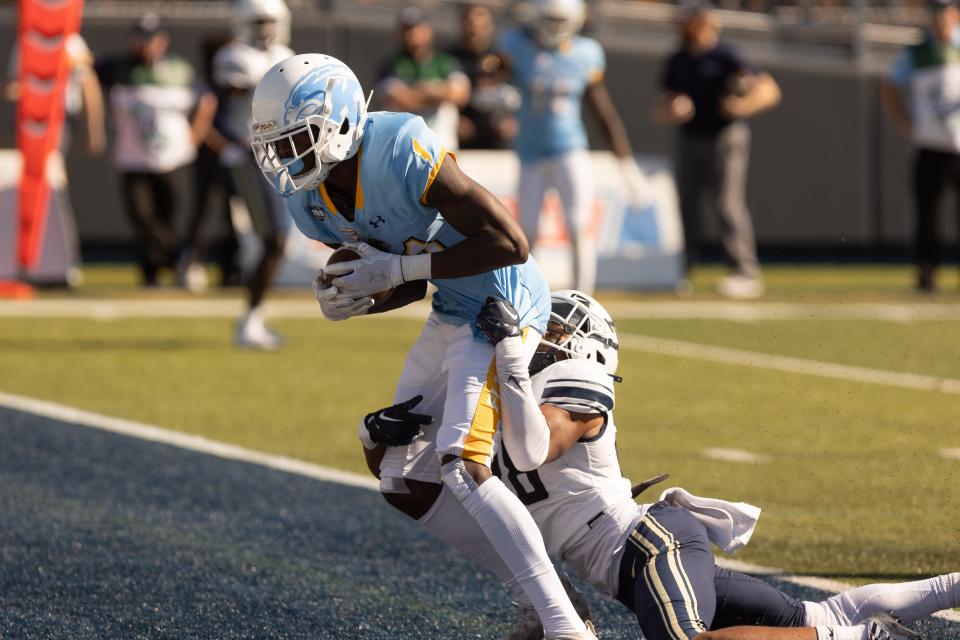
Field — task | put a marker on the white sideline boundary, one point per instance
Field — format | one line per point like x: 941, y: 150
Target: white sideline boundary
x: 281, y: 463
x: 788, y: 364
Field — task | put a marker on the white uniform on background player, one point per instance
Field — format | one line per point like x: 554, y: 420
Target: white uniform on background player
x: 555, y: 68
x: 381, y: 184
x: 261, y: 37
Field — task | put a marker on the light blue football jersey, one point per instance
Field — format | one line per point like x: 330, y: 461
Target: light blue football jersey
x: 552, y: 83
x: 399, y: 159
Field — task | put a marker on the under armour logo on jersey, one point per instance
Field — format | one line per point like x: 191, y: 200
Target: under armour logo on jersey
x: 376, y: 222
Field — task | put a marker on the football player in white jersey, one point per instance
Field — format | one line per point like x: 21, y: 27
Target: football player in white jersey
x: 261, y: 36
x: 655, y: 558
x: 381, y: 183
x: 554, y: 69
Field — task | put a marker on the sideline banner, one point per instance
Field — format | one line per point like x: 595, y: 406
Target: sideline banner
x: 638, y: 248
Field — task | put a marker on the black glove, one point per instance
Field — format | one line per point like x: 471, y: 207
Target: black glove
x: 498, y: 320
x: 395, y: 426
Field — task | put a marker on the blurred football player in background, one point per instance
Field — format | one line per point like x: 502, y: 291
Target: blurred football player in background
x: 557, y: 452
x: 262, y: 33
x: 383, y: 185
x: 555, y: 68
x: 421, y: 80
x: 708, y: 92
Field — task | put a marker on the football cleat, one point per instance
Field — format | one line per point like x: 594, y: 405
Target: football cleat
x: 526, y: 624
x: 254, y: 334
x: 737, y: 287
x: 885, y: 626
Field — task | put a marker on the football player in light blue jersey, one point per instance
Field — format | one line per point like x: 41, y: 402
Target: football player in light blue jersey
x: 380, y: 183
x: 554, y: 68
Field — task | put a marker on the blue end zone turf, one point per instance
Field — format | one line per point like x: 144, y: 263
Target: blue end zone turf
x: 106, y: 536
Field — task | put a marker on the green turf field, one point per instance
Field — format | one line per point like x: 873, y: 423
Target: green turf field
x: 853, y: 482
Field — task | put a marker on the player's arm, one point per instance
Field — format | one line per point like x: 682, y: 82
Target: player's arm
x: 567, y: 427
x: 202, y: 122
x: 493, y: 239
x: 598, y: 97
x: 896, y: 107
x: 760, y: 93
x: 674, y: 108
x: 403, y: 295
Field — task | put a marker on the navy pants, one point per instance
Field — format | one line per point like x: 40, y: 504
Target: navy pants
x: 669, y: 580
x: 667, y: 575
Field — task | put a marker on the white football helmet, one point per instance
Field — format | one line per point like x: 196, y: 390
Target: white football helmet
x: 308, y: 115
x: 556, y: 21
x: 262, y: 23
x: 580, y: 328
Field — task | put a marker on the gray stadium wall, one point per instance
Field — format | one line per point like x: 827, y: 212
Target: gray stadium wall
x: 827, y: 170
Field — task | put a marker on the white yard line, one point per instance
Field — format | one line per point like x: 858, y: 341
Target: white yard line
x: 735, y: 455
x: 759, y: 360
x: 290, y: 465
x: 622, y: 310
x: 951, y: 454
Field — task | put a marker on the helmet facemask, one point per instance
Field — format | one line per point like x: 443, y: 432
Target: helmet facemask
x: 301, y: 155
x: 575, y: 331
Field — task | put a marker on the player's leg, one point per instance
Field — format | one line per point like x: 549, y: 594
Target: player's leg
x: 731, y: 161
x: 531, y: 187
x: 929, y: 183
x: 410, y: 476
x: 692, y: 163
x: 574, y: 181
x: 760, y: 633
x: 465, y: 442
x: 667, y: 575
x: 909, y: 601
x: 167, y: 188
x: 138, y: 198
x: 745, y: 600
x: 269, y: 218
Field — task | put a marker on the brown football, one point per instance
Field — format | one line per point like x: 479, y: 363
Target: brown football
x: 345, y: 254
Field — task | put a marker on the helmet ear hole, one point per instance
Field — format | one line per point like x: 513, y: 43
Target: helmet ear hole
x: 345, y: 126
x: 601, y: 359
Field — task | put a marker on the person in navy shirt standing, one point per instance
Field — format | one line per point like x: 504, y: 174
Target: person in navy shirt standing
x: 708, y: 90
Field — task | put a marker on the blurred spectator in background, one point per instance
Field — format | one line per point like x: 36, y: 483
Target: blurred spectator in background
x: 83, y: 110
x: 160, y: 116
x: 708, y: 92
x: 262, y: 33
x: 922, y: 96
x: 487, y: 121
x: 418, y: 79
x: 555, y: 68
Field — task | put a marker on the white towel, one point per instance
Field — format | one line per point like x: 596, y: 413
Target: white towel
x: 729, y: 524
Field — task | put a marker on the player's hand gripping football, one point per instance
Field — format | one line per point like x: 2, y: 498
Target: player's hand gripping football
x: 498, y: 319
x: 335, y: 305
x: 375, y: 271
x: 396, y: 426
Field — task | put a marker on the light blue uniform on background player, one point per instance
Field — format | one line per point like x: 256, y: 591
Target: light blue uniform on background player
x: 401, y: 156
x: 555, y: 68
x: 377, y: 183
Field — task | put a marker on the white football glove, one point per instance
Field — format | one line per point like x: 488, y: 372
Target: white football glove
x: 376, y: 270
x: 634, y: 183
x: 335, y: 305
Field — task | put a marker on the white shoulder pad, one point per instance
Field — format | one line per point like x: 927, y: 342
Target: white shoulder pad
x: 235, y: 66
x: 580, y: 386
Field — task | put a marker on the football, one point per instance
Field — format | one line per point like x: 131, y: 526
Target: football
x: 345, y: 254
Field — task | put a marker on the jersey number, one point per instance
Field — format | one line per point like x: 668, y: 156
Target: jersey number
x: 526, y: 484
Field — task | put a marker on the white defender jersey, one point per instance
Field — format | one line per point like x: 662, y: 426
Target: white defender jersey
x: 581, y: 502
x: 237, y: 69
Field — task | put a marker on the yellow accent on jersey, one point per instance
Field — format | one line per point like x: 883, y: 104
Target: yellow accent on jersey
x: 358, y: 198
x: 434, y: 168
x: 478, y: 446
x: 326, y: 199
